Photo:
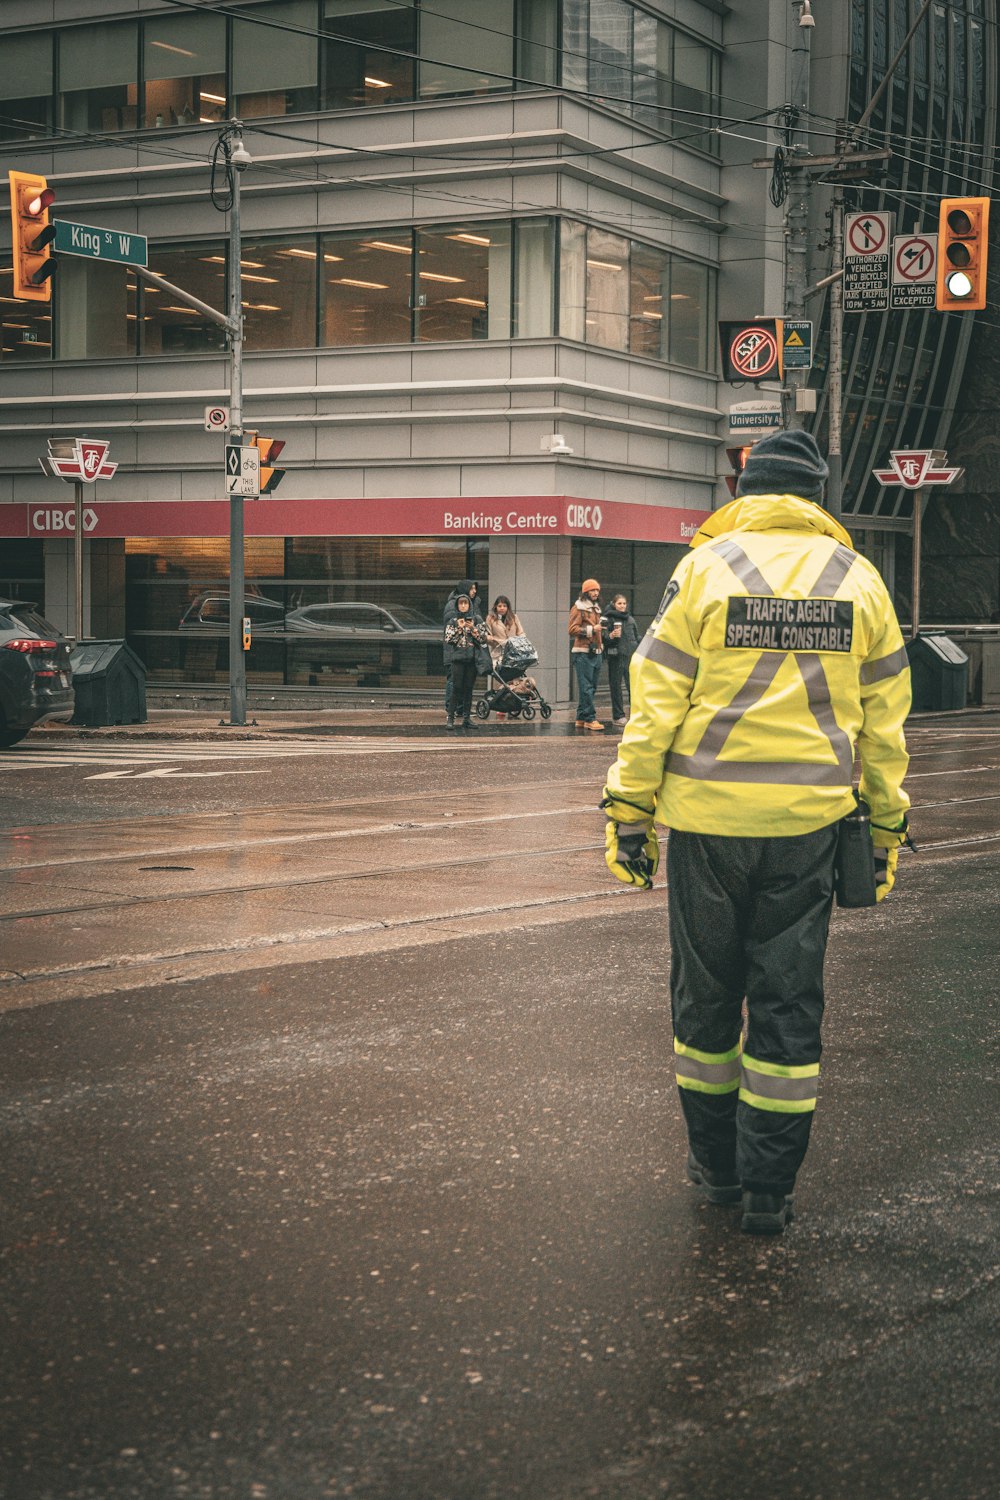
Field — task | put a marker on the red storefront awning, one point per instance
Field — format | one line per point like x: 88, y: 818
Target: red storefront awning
x: 532, y: 515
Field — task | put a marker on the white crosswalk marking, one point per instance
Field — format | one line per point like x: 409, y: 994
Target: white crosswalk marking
x: 130, y: 760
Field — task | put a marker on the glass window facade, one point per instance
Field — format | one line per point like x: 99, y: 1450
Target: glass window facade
x: 170, y: 327
x: 359, y: 65
x: 456, y: 32
x: 99, y: 77
x: 275, y: 66
x: 293, y: 56
x: 630, y: 60
x: 278, y: 278
x: 26, y: 83
x: 184, y: 70
x: 623, y: 295
x: 347, y: 612
x: 463, y: 283
x: 493, y: 279
x: 25, y: 327
x: 366, y: 283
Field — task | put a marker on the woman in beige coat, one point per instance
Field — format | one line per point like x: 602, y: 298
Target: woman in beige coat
x: 501, y: 624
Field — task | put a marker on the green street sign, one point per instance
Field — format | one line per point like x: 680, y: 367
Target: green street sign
x: 99, y: 244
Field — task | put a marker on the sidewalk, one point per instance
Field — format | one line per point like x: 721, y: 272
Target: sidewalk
x: 264, y: 724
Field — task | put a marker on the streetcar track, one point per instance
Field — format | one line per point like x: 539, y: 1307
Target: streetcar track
x: 127, y: 903
x: 274, y: 840
x: 309, y: 935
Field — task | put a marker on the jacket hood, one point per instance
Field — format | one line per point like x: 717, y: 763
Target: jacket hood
x: 770, y: 513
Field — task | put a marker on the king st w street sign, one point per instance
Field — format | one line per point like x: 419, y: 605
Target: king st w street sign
x: 99, y: 244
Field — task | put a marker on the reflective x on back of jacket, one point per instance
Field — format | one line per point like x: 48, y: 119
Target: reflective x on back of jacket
x: 775, y: 653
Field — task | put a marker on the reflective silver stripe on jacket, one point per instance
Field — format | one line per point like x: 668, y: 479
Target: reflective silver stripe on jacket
x: 666, y: 655
x: 886, y: 666
x: 705, y: 764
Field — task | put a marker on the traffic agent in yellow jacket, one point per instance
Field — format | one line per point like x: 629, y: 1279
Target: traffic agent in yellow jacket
x: 775, y: 655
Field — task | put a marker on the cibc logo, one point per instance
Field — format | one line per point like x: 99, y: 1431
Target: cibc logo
x: 57, y: 522
x: 584, y: 517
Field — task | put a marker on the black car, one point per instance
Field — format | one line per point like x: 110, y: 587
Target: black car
x: 35, y: 676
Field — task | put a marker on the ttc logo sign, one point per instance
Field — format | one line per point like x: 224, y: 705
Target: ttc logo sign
x: 84, y: 460
x: 584, y: 517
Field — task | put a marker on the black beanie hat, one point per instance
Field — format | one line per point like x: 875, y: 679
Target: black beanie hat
x: 784, y: 463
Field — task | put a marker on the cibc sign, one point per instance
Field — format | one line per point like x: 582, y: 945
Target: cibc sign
x: 584, y: 517
x: 55, y: 520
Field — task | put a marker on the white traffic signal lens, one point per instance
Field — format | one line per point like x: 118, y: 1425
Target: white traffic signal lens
x: 958, y: 284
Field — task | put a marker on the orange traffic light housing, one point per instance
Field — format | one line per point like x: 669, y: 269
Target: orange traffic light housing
x: 963, y: 245
x: 268, y: 448
x: 737, y: 458
x: 30, y: 199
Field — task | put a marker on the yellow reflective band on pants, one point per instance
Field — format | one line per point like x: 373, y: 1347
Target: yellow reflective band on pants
x: 707, y: 1072
x: 783, y: 1089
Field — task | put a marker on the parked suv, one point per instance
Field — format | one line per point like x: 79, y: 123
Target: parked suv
x: 35, y: 676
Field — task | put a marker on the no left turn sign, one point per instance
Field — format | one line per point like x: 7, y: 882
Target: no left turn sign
x: 913, y: 258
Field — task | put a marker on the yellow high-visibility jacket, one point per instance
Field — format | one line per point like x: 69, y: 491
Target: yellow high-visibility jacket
x: 775, y: 653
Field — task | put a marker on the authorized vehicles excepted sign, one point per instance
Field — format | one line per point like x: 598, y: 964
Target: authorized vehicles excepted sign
x: 867, y: 238
x: 914, y: 270
x: 99, y: 244
x: 242, y: 471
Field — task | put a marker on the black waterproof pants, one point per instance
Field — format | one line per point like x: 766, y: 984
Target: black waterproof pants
x: 749, y: 919
x: 618, y: 682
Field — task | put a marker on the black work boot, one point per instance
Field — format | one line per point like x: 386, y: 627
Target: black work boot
x: 721, y: 1188
x: 766, y: 1213
x: 451, y: 721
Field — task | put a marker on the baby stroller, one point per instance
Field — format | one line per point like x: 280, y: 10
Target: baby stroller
x: 511, y: 691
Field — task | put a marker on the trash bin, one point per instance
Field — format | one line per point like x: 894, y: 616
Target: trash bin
x: 109, y: 683
x: 938, y: 672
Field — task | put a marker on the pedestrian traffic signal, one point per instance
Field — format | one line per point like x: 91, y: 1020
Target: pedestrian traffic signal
x: 737, y: 458
x: 268, y: 448
x: 962, y: 251
x: 32, y: 234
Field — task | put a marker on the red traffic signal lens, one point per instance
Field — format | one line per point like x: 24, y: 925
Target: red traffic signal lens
x: 40, y: 202
x: 959, y: 222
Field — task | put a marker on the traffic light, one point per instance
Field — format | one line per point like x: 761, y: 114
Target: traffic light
x: 30, y: 197
x: 269, y: 448
x: 962, y: 250
x: 737, y: 458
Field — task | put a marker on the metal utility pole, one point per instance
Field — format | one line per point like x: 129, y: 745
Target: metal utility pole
x: 835, y: 373
x: 237, y: 159
x: 799, y: 185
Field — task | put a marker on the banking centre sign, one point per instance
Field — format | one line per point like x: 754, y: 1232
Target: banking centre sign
x: 548, y: 515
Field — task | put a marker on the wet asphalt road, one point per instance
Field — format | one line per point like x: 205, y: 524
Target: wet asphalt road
x: 412, y: 1221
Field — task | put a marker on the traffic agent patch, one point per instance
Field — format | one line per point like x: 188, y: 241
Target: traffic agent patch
x: 771, y: 624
